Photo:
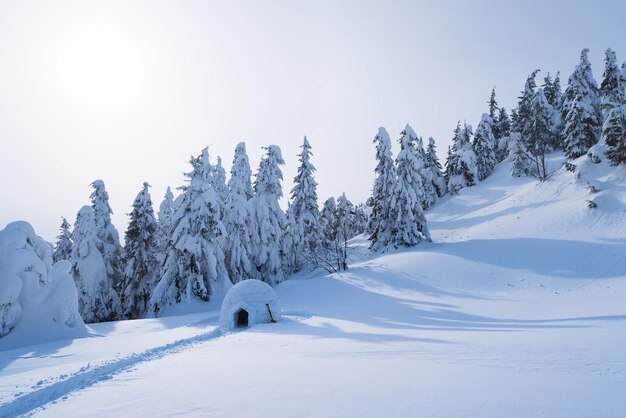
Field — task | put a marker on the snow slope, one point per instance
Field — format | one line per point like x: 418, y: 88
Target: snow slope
x: 516, y: 309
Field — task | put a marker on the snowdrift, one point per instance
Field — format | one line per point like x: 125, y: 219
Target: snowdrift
x: 38, y: 300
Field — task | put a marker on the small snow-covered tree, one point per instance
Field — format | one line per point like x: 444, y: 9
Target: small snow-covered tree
x: 303, y: 212
x: 218, y: 180
x: 614, y: 133
x: 237, y: 219
x: 434, y: 167
x: 343, y: 230
x: 194, y: 269
x: 612, y: 88
x: 409, y: 223
x: 97, y: 299
x: 502, y: 132
x: 140, y: 256
x: 580, y: 131
x: 462, y: 166
x: 360, y: 219
x: 381, y: 202
x: 107, y: 237
x: 519, y: 155
x: 485, y: 147
x: 63, y: 247
x: 268, y: 219
x: 327, y: 256
x: 493, y: 104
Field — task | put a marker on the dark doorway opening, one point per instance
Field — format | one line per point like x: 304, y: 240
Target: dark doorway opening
x: 242, y: 318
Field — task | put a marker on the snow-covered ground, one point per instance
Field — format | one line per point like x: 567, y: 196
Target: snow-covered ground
x: 517, y: 309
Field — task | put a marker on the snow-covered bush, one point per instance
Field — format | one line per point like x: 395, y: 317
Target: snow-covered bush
x: 38, y: 299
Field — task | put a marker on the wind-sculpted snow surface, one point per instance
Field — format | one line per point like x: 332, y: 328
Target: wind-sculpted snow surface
x: 38, y: 300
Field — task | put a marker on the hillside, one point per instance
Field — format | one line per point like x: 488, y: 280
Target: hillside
x: 516, y: 309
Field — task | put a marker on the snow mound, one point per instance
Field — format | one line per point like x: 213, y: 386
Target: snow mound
x: 248, y: 303
x: 38, y: 300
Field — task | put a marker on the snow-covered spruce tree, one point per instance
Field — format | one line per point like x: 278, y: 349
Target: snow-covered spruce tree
x: 166, y: 212
x: 614, y: 133
x: 580, y: 132
x: 218, y: 180
x: 326, y: 253
x: 612, y: 88
x: 409, y: 223
x: 493, y: 105
x: 63, y: 247
x: 97, y: 300
x: 268, y: 219
x: 429, y: 194
x: 540, y: 134
x: 485, y: 147
x: 447, y: 172
x: 462, y: 166
x: 303, y: 211
x: 360, y: 219
x: 194, y: 269
x: 140, y: 256
x: 552, y: 90
x: 237, y: 220
x: 380, y: 223
x: 108, y: 241
x: 582, y: 87
x: 434, y: 167
x: 502, y: 132
x: 520, y: 156
x: 523, y: 114
x: 343, y: 230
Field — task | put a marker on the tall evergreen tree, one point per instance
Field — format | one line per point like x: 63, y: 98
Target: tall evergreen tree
x: 237, y: 219
x: 107, y: 237
x: 540, y: 134
x: 166, y: 213
x: 582, y: 88
x: 63, y: 247
x: 194, y: 269
x: 360, y: 219
x: 407, y: 216
x: 523, y: 114
x: 140, y: 256
x: 493, y: 105
x: 485, y: 147
x: 580, y: 131
x: 381, y: 202
x: 304, y: 210
x: 519, y: 155
x: 612, y: 88
x: 343, y: 230
x: 502, y: 132
x: 434, y: 166
x: 615, y: 135
x: 218, y: 180
x: 268, y: 219
x: 462, y: 166
x: 429, y: 192
x: 97, y: 300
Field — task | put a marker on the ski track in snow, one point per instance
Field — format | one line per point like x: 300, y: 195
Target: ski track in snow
x: 87, y: 376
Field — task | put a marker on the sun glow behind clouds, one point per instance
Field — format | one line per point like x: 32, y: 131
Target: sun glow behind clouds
x: 99, y: 68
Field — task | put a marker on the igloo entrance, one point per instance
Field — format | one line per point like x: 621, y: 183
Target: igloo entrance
x: 241, y: 318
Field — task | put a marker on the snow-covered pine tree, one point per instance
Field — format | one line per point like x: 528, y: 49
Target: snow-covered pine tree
x: 303, y: 211
x: 502, y: 133
x: 194, y: 269
x: 63, y: 247
x: 519, y: 155
x: 380, y: 223
x: 523, y: 115
x: 485, y: 147
x: 612, y: 88
x: 344, y: 230
x: 614, y: 133
x: 268, y: 219
x: 434, y: 167
x: 409, y: 223
x: 463, y: 170
x: 140, y: 256
x: 582, y: 87
x: 429, y: 191
x: 540, y: 134
x: 166, y: 212
x: 447, y: 172
x: 360, y: 219
x: 580, y: 131
x: 218, y: 180
x: 326, y: 255
x: 237, y: 219
x: 107, y: 237
x: 97, y: 300
x: 493, y: 105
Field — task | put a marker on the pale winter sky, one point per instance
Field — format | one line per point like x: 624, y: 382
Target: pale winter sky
x: 127, y: 90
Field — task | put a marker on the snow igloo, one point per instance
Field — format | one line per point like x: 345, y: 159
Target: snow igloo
x: 248, y: 303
